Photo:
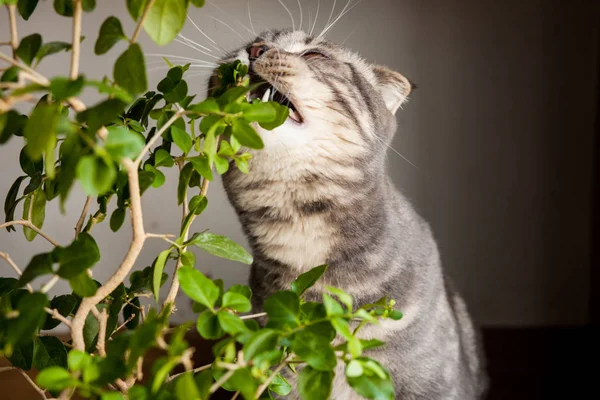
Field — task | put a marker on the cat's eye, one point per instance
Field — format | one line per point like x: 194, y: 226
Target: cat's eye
x: 313, y: 54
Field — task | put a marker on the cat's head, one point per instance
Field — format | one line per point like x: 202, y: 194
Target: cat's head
x: 336, y: 98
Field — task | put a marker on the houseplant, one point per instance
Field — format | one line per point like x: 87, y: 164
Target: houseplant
x: 115, y: 149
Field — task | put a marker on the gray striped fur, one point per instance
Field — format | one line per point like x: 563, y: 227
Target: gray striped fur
x: 319, y: 193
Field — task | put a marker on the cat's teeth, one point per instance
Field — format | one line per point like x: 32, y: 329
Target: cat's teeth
x: 266, y: 95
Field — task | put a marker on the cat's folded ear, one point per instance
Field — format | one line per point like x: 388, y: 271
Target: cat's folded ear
x: 394, y: 87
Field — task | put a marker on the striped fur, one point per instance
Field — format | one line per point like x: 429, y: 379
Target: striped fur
x: 319, y: 193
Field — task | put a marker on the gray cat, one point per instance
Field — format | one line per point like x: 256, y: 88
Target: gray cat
x: 319, y: 193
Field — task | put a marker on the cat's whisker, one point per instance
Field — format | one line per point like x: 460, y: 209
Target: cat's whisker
x: 301, y: 14
x: 289, y: 13
x: 194, y: 43
x: 312, y: 29
x: 348, y: 37
x: 236, y: 20
x: 211, y: 41
x: 347, y: 8
x: 330, y: 14
x: 250, y: 18
x: 398, y: 153
x: 180, y: 58
x: 228, y: 26
x: 191, y: 46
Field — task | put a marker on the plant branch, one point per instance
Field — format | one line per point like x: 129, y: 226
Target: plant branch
x: 77, y: 11
x: 42, y: 80
x: 193, y: 371
x: 12, y: 21
x: 277, y: 370
x: 81, y: 219
x: 57, y: 316
x: 102, y: 322
x: 14, y: 266
x: 50, y: 284
x: 221, y: 381
x: 36, y: 387
x: 157, y: 136
x: 251, y: 316
x: 31, y: 226
x: 138, y: 28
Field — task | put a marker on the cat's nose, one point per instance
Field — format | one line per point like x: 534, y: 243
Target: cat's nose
x: 254, y: 52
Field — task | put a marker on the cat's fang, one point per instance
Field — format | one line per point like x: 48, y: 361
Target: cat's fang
x: 266, y: 95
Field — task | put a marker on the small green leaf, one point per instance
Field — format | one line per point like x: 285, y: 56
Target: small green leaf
x: 198, y: 204
x: 50, y: 48
x: 221, y: 164
x: 315, y: 350
x: 22, y: 356
x: 130, y: 70
x: 315, y: 384
x: 221, y: 246
x: 135, y: 8
x: 11, y: 201
x: 374, y: 382
x: 117, y: 218
x: 202, y: 165
x: 111, y: 32
x: 184, y: 180
x: 261, y: 341
x: 7, y: 285
x: 123, y: 143
x: 111, y: 396
x: 280, y: 385
x: 198, y: 3
x: 344, y: 297
x: 181, y: 139
x: 241, y: 289
x: 63, y: 88
x: 395, y: 315
x: 165, y: 19
x: 38, y: 213
x: 31, y: 315
x: 208, y: 326
x: 78, y: 360
x: 80, y: 255
x: 283, y: 309
x: 231, y: 324
x: 95, y: 175
x: 308, y: 279
x: 162, y: 158
x: 185, y: 388
x: 40, y: 130
x: 198, y: 287
x: 246, y: 135
x: 178, y: 93
x: 333, y: 307
x: 55, y: 378
x: 29, y: 47
x: 83, y: 285
x: 39, y: 265
x: 26, y: 8
x: 260, y: 112
x: 159, y: 267
x: 208, y: 106
x: 236, y: 301
x: 112, y: 90
x: 49, y: 351
x: 101, y: 114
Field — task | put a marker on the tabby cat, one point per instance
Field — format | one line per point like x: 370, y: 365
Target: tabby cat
x: 319, y: 194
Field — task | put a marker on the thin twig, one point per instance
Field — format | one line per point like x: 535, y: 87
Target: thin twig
x: 84, y: 213
x: 50, y: 284
x: 277, y: 370
x: 12, y: 21
x: 31, y: 226
x: 77, y: 11
x: 14, y: 266
x: 221, y: 381
x: 42, y: 80
x: 195, y: 370
x: 36, y: 387
x: 158, y: 136
x: 252, y: 316
x: 138, y: 28
x: 57, y: 316
x: 235, y: 396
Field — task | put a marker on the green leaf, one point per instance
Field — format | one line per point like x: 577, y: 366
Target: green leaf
x: 243, y: 381
x: 221, y: 164
x: 117, y: 218
x: 354, y: 369
x: 63, y: 88
x: 280, y: 385
x: 83, y: 285
x: 188, y: 259
x: 78, y: 360
x: 181, y: 139
x: 55, y: 378
x: 261, y: 341
x: 232, y: 324
x: 315, y: 384
x: 202, y: 165
x: 7, y: 285
x: 395, y: 315
x: 344, y: 297
x: 101, y: 114
x: 374, y: 382
x: 204, y: 380
x: 135, y: 8
x: 208, y: 106
x: 10, y: 203
x: 26, y: 8
x: 178, y: 93
x: 283, y: 309
x: 221, y: 246
x: 234, y: 95
x: 111, y: 396
x: 333, y: 307
x: 111, y: 32
x: 184, y: 180
x: 246, y: 135
x: 198, y: 287
x: 159, y: 267
x: 130, y: 70
x: 208, y: 325
x: 95, y: 175
x: 29, y: 47
x: 308, y: 279
x: 315, y: 350
x: 49, y: 351
x: 236, y: 301
x: 50, y: 48
x: 65, y: 7
x: 123, y: 143
x: 39, y: 265
x: 22, y: 356
x: 260, y: 112
x: 165, y: 19
x: 112, y: 90
x: 40, y: 130
x: 198, y: 204
x: 38, y: 213
x: 80, y: 255
x: 162, y: 158
x: 185, y: 388
x: 64, y: 304
x: 31, y: 315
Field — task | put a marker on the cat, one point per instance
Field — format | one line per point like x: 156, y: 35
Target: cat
x: 318, y: 193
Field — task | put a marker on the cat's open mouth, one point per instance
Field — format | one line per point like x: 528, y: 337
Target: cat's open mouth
x: 267, y: 92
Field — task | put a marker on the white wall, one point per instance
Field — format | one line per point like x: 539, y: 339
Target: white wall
x: 500, y: 129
